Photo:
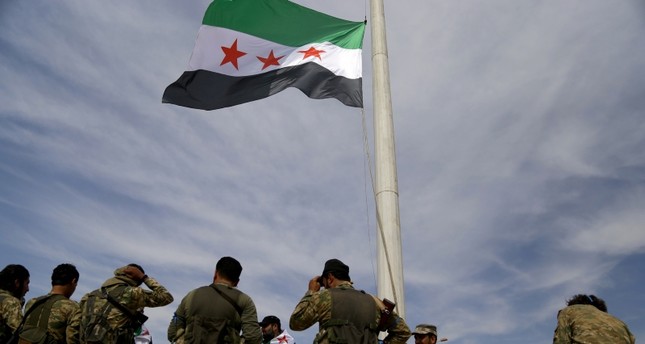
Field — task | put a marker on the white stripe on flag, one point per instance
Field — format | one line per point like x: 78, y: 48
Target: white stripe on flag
x: 208, y: 54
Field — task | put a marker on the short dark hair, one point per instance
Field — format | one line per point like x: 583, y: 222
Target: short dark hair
x: 583, y: 299
x: 10, y: 274
x: 64, y: 274
x: 229, y: 268
x: 270, y: 319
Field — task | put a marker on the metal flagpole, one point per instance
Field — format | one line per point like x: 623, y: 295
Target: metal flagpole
x: 390, y: 262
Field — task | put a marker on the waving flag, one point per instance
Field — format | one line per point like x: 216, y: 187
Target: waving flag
x: 250, y: 49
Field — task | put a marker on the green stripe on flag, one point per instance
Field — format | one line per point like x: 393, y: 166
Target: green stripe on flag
x: 284, y: 22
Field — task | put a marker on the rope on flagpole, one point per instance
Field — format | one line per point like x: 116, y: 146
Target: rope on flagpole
x: 366, y: 149
x: 367, y: 166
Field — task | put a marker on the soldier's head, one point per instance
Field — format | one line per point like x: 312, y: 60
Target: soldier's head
x: 65, y: 276
x: 583, y: 299
x: 133, y: 274
x: 138, y: 267
x: 229, y: 269
x: 14, y: 278
x: 333, y: 273
x: 271, y: 327
x: 425, y: 334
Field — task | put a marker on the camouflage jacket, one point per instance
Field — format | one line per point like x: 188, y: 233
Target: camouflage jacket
x: 10, y: 314
x: 317, y: 308
x: 587, y: 324
x: 133, y: 297
x: 64, y: 320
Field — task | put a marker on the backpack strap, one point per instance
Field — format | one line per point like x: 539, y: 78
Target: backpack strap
x: 136, y: 318
x: 38, y: 302
x: 91, y: 300
x: 89, y: 305
x: 89, y: 316
x: 229, y: 299
x: 41, y: 319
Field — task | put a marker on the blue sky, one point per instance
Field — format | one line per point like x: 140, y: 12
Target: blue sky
x: 519, y: 138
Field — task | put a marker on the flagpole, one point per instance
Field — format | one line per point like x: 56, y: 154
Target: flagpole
x: 390, y: 262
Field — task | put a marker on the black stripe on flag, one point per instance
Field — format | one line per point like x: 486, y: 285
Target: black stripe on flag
x: 208, y: 90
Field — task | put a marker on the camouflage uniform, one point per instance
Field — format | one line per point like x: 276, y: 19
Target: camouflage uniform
x: 205, y: 303
x: 317, y: 307
x: 587, y: 324
x: 10, y: 314
x: 133, y: 297
x: 64, y: 320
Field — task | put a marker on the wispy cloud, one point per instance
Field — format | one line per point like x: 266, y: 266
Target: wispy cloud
x: 519, y: 139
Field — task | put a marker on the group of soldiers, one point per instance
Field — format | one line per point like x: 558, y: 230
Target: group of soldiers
x: 54, y: 318
x: 216, y: 313
x: 221, y: 313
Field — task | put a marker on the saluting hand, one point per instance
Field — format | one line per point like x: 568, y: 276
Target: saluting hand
x: 134, y: 273
x: 314, y: 286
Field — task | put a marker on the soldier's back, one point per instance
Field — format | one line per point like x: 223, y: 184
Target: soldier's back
x: 590, y: 325
x: 64, y: 321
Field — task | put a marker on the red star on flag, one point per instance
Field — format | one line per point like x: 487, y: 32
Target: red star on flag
x: 311, y: 52
x: 270, y: 60
x: 231, y: 55
x: 283, y: 339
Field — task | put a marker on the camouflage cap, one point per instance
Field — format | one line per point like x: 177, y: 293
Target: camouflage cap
x: 425, y: 329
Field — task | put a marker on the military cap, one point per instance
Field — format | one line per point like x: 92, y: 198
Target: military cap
x: 270, y: 319
x: 335, y: 265
x: 425, y: 329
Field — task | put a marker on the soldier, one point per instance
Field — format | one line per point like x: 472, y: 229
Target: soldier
x: 65, y: 315
x: 14, y: 284
x: 585, y: 320
x: 217, y: 312
x: 343, y: 313
x: 272, y: 332
x: 425, y: 334
x: 103, y: 321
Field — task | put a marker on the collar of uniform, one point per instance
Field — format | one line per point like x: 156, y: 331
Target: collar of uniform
x: 345, y: 285
x: 224, y: 285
